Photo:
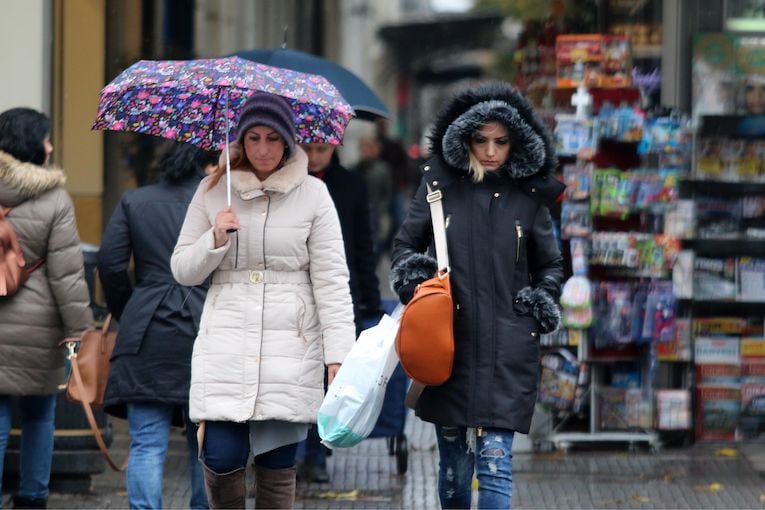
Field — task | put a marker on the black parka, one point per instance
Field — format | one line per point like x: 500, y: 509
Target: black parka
x: 506, y: 267
x: 158, y: 317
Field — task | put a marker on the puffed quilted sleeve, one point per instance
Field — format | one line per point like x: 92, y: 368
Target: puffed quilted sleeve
x: 329, y: 277
x: 66, y: 274
x: 195, y: 256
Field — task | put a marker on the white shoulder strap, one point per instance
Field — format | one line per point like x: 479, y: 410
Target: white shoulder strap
x: 439, y: 227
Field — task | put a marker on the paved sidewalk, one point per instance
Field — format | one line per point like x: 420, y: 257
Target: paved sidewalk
x: 704, y: 476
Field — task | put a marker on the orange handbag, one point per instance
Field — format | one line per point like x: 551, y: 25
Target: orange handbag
x: 425, y: 339
x: 90, y: 360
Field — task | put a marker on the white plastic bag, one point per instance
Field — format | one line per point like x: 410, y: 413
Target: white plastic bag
x: 354, y: 399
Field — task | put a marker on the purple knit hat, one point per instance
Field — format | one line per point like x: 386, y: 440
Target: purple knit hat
x: 264, y: 109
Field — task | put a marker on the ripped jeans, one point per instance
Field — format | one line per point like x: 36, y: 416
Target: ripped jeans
x: 491, y: 461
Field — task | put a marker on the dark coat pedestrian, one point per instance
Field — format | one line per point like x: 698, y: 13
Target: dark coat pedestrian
x: 506, y: 267
x: 349, y: 193
x: 158, y: 316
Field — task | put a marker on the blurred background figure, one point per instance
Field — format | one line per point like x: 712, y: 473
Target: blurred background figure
x: 404, y: 172
x: 377, y: 175
x: 151, y: 364
x: 349, y: 193
x: 53, y: 304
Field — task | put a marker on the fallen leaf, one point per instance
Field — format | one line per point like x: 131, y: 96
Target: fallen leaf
x: 340, y: 496
x: 475, y: 484
x: 641, y: 499
x: 669, y: 478
x: 726, y: 452
x: 715, y: 487
x: 762, y: 498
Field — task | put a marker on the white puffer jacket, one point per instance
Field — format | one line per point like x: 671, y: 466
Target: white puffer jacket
x: 279, y: 307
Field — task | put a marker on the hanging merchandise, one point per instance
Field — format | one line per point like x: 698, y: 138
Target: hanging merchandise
x: 577, y: 303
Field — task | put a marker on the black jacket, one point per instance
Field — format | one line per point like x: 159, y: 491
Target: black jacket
x: 158, y: 317
x: 506, y: 267
x: 349, y: 192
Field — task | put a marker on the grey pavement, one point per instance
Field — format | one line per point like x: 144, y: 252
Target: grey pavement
x: 720, y: 475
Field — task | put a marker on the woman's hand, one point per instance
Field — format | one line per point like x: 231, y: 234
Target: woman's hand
x: 332, y: 370
x: 225, y: 220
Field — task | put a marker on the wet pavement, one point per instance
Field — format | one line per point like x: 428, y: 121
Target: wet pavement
x: 723, y: 475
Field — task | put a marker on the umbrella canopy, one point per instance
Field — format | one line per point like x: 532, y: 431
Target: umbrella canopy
x: 198, y: 101
x: 365, y: 102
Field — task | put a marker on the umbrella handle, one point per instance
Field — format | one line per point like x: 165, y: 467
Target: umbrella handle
x: 228, y: 164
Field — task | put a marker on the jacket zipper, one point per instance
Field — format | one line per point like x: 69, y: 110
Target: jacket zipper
x: 519, y: 235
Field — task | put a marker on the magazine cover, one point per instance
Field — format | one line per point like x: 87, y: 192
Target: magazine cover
x: 718, y: 413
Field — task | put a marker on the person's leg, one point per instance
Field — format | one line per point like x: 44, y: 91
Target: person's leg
x: 275, y: 478
x: 198, y: 494
x: 37, y: 413
x: 5, y: 429
x: 315, y: 457
x: 455, y: 467
x: 224, y: 457
x: 149, y: 426
x: 494, y: 462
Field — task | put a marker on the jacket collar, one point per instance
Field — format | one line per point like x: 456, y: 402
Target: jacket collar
x: 22, y: 181
x: 284, y: 180
x: 543, y: 188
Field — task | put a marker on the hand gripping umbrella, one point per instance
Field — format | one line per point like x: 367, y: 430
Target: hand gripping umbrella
x: 197, y: 101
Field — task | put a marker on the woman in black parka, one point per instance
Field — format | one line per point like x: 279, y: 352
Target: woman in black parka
x: 151, y: 363
x: 493, y: 162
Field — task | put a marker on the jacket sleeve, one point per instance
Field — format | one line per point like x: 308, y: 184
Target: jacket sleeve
x: 408, y: 259
x: 66, y: 274
x: 329, y: 277
x: 114, y: 259
x: 546, y: 269
x: 365, y: 257
x: 195, y: 256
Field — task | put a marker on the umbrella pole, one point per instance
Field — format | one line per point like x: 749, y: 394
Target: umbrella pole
x: 228, y: 163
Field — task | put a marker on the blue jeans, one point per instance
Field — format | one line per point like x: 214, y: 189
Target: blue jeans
x: 227, y: 448
x: 38, y: 414
x: 149, y: 425
x: 491, y: 461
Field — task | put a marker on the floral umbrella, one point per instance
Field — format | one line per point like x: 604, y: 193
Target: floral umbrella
x: 197, y: 101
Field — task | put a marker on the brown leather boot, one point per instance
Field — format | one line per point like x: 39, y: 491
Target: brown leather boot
x: 275, y: 488
x: 225, y: 490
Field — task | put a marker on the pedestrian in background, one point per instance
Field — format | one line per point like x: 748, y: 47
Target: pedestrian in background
x: 379, y: 179
x: 52, y: 305
x: 277, y: 312
x: 159, y: 318
x: 493, y: 162
x: 349, y: 194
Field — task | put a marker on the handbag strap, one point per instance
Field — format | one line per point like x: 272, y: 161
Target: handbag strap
x: 92, y: 419
x: 434, y: 198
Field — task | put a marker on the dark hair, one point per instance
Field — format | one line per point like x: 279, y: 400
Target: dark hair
x: 183, y: 161
x: 22, y: 132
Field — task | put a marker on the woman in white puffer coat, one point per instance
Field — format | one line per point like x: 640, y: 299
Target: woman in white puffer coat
x: 278, y: 309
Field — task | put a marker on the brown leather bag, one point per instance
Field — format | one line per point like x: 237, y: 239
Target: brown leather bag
x: 425, y: 339
x: 13, y: 269
x: 89, y: 356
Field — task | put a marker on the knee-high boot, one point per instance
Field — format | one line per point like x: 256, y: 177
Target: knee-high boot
x: 225, y: 490
x: 275, y: 488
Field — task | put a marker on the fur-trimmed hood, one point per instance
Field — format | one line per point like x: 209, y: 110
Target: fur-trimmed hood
x: 21, y: 181
x: 531, y: 146
x: 283, y: 180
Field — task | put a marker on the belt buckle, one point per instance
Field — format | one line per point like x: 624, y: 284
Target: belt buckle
x: 256, y: 276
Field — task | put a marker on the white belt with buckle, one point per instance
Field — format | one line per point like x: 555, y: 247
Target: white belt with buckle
x: 263, y: 276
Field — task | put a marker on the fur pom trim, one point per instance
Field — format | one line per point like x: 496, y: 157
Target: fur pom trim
x: 542, y: 307
x: 488, y: 92
x: 527, y: 150
x: 27, y: 179
x: 416, y: 267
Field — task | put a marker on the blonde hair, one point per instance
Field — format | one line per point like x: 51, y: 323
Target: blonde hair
x: 476, y: 170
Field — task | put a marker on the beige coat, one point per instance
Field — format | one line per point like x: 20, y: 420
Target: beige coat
x: 54, y: 302
x: 279, y: 306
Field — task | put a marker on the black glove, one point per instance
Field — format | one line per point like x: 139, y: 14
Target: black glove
x: 406, y: 291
